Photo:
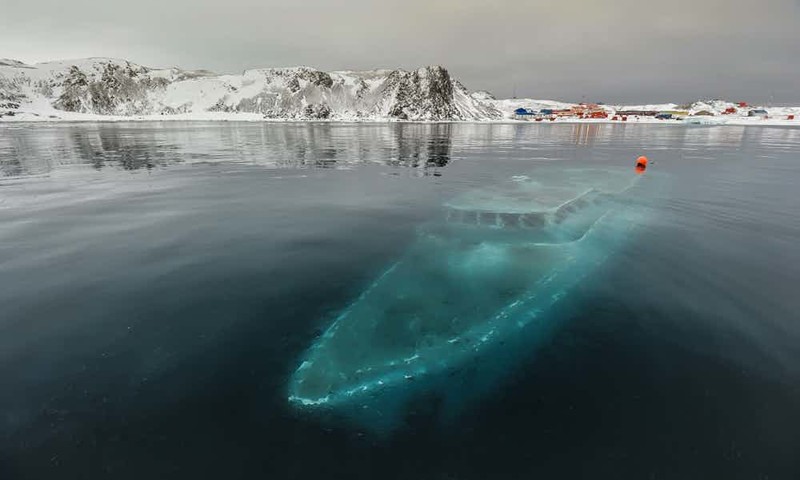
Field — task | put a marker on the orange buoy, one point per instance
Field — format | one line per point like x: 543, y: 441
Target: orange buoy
x: 641, y: 164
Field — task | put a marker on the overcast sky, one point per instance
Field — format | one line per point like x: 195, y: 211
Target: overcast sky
x: 611, y: 50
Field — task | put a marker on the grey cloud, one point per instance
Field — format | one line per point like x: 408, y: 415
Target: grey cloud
x: 613, y: 50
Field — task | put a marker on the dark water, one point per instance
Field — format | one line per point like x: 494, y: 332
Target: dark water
x: 159, y: 282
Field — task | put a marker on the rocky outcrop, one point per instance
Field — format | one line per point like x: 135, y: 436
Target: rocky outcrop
x: 426, y: 94
x: 11, y: 96
x: 115, y: 90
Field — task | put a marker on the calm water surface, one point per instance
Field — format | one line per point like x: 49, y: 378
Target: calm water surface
x: 160, y: 281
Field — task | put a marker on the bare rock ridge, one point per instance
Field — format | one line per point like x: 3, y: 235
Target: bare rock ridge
x: 111, y: 87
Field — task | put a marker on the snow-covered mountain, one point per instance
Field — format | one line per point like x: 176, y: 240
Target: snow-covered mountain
x: 112, y: 87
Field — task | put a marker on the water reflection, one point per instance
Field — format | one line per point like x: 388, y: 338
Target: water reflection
x: 585, y: 133
x: 409, y: 149
x: 28, y: 151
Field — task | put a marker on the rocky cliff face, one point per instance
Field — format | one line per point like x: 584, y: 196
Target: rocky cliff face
x: 115, y: 90
x: 425, y: 92
x: 120, y: 88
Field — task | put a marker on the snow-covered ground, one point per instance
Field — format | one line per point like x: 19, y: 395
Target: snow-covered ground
x: 775, y: 115
x: 106, y: 89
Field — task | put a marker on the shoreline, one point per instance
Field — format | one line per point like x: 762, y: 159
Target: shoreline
x: 255, y: 118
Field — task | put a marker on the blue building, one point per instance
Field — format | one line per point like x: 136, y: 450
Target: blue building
x: 524, y: 113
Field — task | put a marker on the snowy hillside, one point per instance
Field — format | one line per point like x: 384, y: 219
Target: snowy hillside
x: 116, y: 88
x: 113, y: 89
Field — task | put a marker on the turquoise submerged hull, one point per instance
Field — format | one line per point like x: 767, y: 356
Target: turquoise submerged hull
x: 470, y: 295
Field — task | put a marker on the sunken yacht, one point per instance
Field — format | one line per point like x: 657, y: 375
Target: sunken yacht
x: 470, y: 286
